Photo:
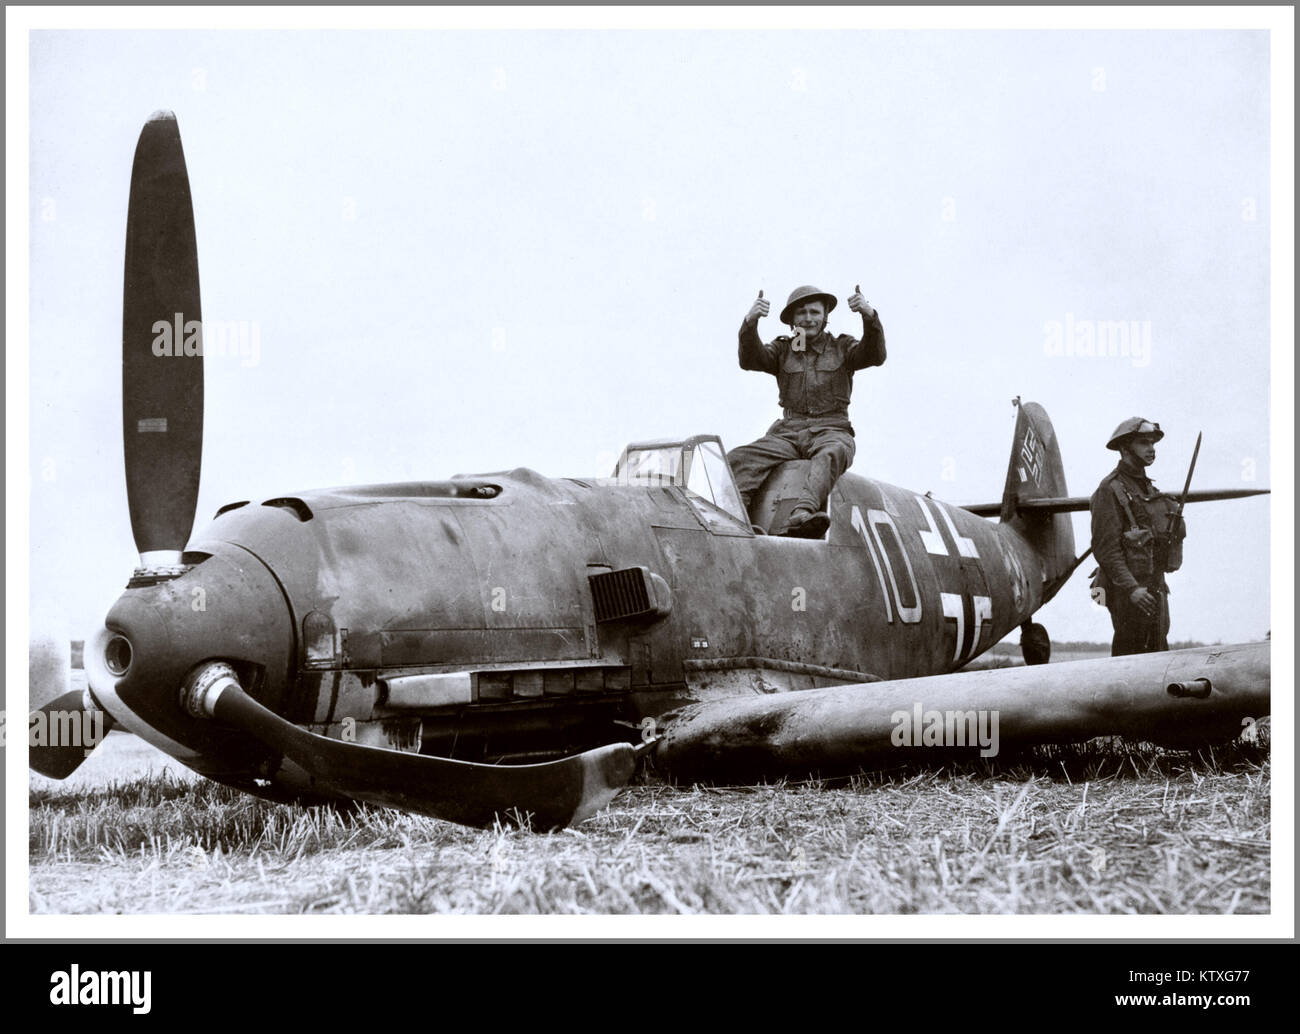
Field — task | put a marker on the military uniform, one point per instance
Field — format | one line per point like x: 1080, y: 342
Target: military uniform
x: 815, y: 383
x: 1136, y: 538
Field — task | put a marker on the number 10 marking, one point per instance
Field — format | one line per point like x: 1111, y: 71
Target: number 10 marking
x: 870, y: 530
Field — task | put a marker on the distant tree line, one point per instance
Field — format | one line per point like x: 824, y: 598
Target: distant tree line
x: 1012, y: 647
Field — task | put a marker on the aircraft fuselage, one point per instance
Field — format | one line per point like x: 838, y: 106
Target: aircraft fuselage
x: 460, y: 617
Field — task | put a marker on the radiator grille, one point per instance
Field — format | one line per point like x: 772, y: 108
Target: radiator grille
x: 619, y: 595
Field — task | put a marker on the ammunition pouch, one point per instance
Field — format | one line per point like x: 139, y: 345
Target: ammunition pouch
x: 1140, y: 553
x: 1151, y: 550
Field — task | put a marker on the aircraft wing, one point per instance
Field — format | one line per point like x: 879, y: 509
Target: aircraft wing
x: 1078, y: 503
x: 1184, y: 699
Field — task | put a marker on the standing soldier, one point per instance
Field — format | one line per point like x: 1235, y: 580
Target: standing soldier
x: 1136, y: 536
x: 814, y: 373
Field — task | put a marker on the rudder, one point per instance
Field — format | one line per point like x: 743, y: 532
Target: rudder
x: 1036, y: 472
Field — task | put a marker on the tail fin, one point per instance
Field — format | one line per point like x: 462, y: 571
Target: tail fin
x: 1036, y: 472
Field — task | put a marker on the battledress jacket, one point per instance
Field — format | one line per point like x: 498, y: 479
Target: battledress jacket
x: 817, y: 381
x: 1121, y: 568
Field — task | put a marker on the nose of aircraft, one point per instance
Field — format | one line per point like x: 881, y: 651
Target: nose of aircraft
x: 228, y: 607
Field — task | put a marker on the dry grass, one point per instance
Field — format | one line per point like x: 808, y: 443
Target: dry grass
x: 1102, y: 828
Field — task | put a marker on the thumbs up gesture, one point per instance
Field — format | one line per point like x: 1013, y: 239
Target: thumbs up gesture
x: 859, y: 304
x: 758, y: 310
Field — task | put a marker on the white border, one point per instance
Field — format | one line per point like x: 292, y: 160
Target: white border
x: 17, y: 466
x: 731, y: 18
x: 1282, y: 453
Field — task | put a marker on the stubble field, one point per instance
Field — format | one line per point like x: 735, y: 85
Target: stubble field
x: 1105, y: 827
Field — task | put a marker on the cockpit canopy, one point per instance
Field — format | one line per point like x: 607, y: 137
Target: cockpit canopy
x: 696, y: 464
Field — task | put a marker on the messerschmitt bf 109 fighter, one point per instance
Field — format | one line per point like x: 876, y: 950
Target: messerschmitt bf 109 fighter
x: 507, y: 644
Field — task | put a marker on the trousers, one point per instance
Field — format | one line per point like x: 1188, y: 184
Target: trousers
x: 831, y: 450
x: 1134, y: 631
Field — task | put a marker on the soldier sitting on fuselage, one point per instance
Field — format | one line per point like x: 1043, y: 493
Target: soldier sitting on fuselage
x: 814, y: 371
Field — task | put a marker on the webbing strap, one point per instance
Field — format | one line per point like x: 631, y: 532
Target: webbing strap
x: 1121, y: 493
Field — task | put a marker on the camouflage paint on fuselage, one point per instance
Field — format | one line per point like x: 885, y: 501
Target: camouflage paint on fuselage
x: 458, y: 616
x: 903, y: 585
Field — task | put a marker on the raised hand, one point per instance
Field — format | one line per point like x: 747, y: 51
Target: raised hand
x: 758, y: 310
x: 859, y: 304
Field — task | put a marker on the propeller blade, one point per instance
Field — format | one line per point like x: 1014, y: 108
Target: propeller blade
x: 557, y: 793
x: 162, y: 362
x: 67, y: 733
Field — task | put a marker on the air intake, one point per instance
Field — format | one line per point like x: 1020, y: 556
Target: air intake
x: 632, y: 594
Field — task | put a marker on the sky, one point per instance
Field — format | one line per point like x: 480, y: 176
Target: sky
x: 460, y: 252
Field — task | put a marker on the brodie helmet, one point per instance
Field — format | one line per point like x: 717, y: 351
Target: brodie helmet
x: 803, y: 294
x: 1131, y: 427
